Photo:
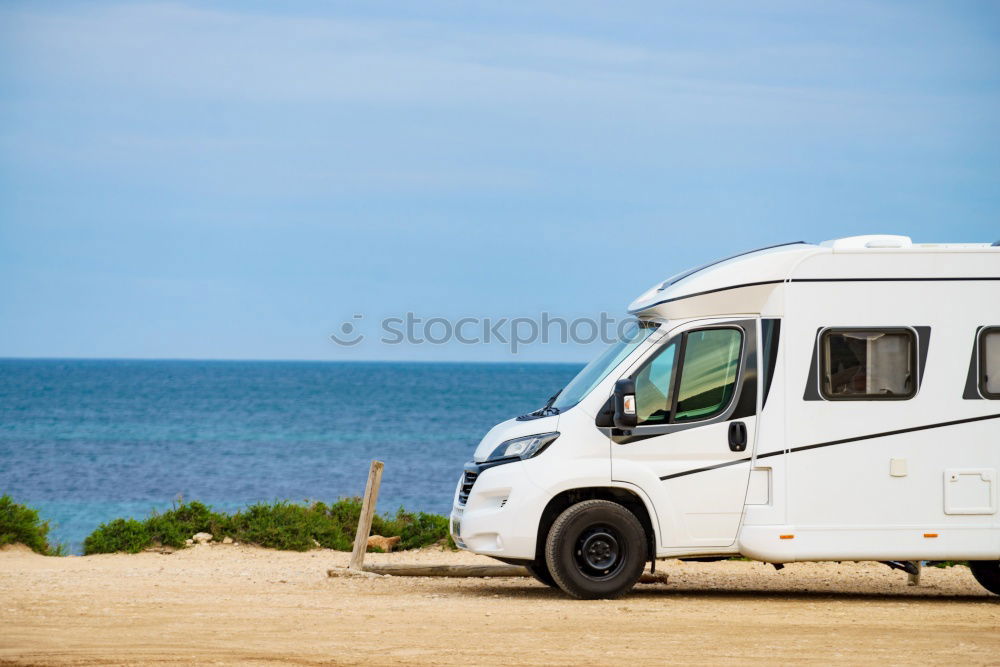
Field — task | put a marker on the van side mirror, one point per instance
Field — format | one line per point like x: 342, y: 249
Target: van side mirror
x: 625, y: 403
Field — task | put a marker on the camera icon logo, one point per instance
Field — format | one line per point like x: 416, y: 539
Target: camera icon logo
x: 349, y: 335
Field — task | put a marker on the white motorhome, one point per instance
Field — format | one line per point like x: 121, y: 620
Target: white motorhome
x: 801, y: 402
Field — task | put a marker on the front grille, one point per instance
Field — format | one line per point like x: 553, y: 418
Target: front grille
x: 468, y: 479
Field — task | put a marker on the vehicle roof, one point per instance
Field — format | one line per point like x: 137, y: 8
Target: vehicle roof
x: 763, y: 269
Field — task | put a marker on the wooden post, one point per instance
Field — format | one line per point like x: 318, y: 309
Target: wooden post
x: 914, y: 579
x: 403, y: 570
x: 367, y: 513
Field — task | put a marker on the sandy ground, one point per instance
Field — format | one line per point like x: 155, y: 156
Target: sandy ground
x: 241, y: 605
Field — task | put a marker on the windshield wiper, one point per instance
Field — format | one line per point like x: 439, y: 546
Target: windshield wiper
x: 546, y: 410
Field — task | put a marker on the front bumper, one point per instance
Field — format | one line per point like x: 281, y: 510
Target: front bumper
x: 501, y: 513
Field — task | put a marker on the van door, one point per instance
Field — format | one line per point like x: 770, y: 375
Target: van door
x: 696, y: 405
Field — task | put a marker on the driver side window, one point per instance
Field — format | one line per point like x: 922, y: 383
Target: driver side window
x: 699, y: 368
x: 708, y: 376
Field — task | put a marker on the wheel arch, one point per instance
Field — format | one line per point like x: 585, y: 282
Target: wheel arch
x: 627, y: 498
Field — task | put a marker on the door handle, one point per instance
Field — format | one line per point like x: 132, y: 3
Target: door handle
x: 737, y: 436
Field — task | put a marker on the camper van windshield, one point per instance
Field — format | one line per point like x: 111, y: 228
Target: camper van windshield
x: 598, y: 369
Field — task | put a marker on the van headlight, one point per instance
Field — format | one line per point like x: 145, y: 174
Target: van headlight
x: 523, y: 448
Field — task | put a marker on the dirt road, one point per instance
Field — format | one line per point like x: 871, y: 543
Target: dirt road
x: 235, y: 604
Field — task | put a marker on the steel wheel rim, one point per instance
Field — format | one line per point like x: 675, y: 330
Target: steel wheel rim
x: 599, y: 552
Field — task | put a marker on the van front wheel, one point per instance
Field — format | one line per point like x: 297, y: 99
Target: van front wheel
x: 987, y: 573
x: 596, y: 549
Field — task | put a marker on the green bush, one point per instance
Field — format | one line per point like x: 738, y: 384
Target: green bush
x: 344, y: 512
x: 175, y: 526
x: 171, y: 529
x: 126, y: 535
x: 416, y: 529
x: 278, y: 525
x: 288, y: 526
x: 20, y: 524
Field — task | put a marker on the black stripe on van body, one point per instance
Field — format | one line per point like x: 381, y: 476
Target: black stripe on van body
x: 831, y: 443
x: 812, y: 280
x: 706, y: 468
x: 884, y: 434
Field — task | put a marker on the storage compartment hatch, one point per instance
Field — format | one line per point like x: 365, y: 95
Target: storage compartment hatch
x: 970, y: 491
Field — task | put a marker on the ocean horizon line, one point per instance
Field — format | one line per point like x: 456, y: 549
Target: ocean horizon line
x: 301, y: 361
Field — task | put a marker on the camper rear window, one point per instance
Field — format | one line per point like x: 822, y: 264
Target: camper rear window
x: 989, y: 362
x: 868, y: 364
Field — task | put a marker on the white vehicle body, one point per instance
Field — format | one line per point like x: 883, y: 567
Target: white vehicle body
x: 819, y: 478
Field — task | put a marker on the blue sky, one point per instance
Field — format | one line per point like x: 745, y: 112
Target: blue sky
x: 234, y: 180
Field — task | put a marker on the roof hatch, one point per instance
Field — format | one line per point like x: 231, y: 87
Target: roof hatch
x: 869, y: 241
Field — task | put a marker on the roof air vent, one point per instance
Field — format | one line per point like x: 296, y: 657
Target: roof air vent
x: 870, y: 241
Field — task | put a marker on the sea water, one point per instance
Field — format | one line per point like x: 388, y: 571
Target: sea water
x: 87, y: 441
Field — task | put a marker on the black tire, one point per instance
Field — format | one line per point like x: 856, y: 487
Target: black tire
x: 596, y: 549
x: 540, y: 571
x: 987, y: 573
